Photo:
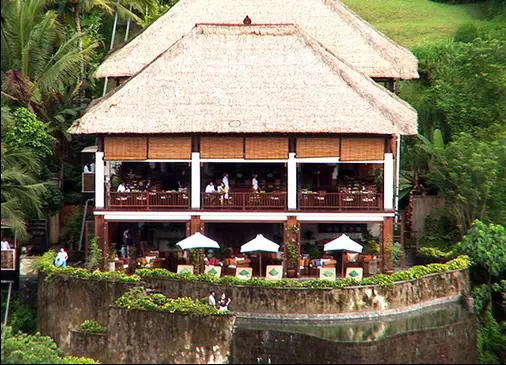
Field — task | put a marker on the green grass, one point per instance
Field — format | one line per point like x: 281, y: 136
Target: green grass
x: 415, y: 22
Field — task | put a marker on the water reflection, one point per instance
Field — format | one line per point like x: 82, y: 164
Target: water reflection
x: 431, y: 335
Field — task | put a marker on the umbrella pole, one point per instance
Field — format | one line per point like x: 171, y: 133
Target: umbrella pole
x: 260, y: 261
x: 342, y: 264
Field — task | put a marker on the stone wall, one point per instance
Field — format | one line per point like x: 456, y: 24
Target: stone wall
x: 451, y: 344
x: 64, y: 303
x: 306, y: 301
x: 153, y: 337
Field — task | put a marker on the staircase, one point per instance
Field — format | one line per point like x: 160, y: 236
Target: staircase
x: 39, y: 236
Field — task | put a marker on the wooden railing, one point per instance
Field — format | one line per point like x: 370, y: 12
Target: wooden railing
x: 148, y: 200
x: 244, y: 201
x: 340, y: 201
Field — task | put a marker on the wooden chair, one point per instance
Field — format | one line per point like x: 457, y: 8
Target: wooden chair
x: 185, y: 269
x: 274, y: 272
x: 213, y: 270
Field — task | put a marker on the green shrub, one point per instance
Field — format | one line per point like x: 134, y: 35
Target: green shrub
x: 92, y: 327
x: 21, y: 348
x: 21, y: 315
x: 46, y: 265
x: 136, y: 298
x: 461, y: 262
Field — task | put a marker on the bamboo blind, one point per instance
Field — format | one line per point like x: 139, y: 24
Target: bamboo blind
x: 362, y: 149
x: 221, y: 147
x: 318, y: 147
x: 264, y: 148
x: 125, y: 148
x: 170, y: 148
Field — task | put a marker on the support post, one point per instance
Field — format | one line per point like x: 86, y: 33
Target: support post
x: 388, y: 182
x: 99, y: 180
x: 195, y: 181
x: 292, y: 182
x: 387, y: 264
x: 100, y: 231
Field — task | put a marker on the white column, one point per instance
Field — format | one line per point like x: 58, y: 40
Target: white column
x: 388, y: 182
x: 195, y: 180
x: 99, y: 180
x: 292, y: 181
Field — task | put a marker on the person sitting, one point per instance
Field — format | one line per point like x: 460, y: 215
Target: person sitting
x: 210, y: 188
x: 142, y: 187
x: 121, y: 188
x: 223, y: 191
x: 87, y: 169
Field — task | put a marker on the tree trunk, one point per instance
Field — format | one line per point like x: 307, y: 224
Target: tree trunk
x: 80, y: 77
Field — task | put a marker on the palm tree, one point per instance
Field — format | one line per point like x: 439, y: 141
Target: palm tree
x: 38, y: 60
x: 21, y: 193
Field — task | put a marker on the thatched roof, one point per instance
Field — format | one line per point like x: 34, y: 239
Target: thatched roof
x: 328, y: 21
x: 248, y: 79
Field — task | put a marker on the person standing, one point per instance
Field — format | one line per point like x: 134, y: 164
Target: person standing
x: 225, y: 181
x: 5, y: 244
x: 212, y: 298
x: 223, y: 303
x: 254, y: 183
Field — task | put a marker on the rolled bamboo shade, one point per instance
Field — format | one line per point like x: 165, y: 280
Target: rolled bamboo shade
x: 362, y: 149
x: 264, y: 148
x: 221, y: 147
x: 170, y: 148
x: 318, y: 147
x: 125, y: 148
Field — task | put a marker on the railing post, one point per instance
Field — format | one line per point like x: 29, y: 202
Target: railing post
x: 147, y: 199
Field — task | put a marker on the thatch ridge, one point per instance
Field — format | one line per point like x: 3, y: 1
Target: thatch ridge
x: 330, y: 22
x: 291, y: 84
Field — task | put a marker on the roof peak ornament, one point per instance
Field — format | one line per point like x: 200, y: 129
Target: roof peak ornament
x: 247, y: 20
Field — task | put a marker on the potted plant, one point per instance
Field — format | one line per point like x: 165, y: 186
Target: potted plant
x: 292, y: 256
x: 111, y: 258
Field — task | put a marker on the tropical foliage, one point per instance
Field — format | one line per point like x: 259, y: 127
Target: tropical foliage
x: 21, y: 348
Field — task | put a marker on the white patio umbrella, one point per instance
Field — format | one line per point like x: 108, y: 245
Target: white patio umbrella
x: 260, y: 244
x: 197, y: 240
x: 343, y: 243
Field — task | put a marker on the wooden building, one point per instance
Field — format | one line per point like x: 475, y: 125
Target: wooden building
x: 264, y: 102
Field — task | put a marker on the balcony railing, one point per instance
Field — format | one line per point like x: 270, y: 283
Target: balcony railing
x: 244, y: 201
x: 148, y: 200
x: 340, y: 201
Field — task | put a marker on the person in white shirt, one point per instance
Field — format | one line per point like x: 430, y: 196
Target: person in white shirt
x: 5, y: 244
x: 121, y: 188
x: 212, y: 298
x: 225, y: 181
x: 92, y: 167
x: 87, y: 169
x: 210, y: 188
x: 61, y: 258
x: 254, y: 183
x: 223, y: 191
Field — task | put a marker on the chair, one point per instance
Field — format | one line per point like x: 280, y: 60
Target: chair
x: 244, y: 273
x: 185, y: 269
x: 213, y: 270
x: 274, y: 272
x: 356, y: 273
x: 327, y: 273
